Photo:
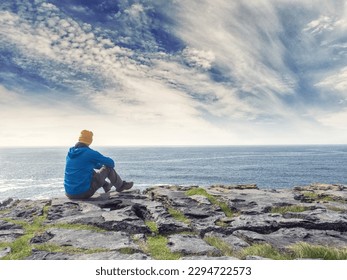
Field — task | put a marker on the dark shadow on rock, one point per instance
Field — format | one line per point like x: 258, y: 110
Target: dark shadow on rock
x: 42, y: 238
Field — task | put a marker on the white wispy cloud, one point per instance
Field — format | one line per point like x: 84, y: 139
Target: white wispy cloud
x: 336, y: 83
x: 198, y: 58
x: 330, y: 33
x: 235, y: 73
x: 130, y: 98
x: 249, y: 52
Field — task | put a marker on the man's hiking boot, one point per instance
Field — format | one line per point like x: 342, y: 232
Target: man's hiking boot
x: 107, y: 187
x: 125, y: 186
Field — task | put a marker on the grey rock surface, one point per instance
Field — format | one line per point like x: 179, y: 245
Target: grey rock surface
x: 87, y: 239
x: 315, y: 214
x: 191, y: 245
x: 114, y: 255
x: 9, y: 231
x: 236, y: 243
x: 4, y: 252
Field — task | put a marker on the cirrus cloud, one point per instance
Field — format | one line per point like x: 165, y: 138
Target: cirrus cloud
x: 182, y: 68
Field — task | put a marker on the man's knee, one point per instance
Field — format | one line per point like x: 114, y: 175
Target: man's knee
x: 112, y: 175
x: 104, y: 170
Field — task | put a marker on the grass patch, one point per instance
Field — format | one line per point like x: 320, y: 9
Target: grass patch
x: 197, y: 191
x: 4, y: 211
x: 263, y: 250
x: 178, y: 215
x: 127, y: 251
x: 152, y: 226
x: 53, y: 248
x: 322, y: 197
x: 221, y: 224
x: 213, y: 199
x: 286, y: 209
x: 220, y: 245
x: 336, y: 209
x: 300, y: 250
x: 225, y: 208
x: 21, y: 248
x: 156, y: 247
x: 309, y: 251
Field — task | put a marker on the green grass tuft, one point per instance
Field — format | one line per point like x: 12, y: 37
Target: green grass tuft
x: 54, y: 248
x: 178, y: 215
x: 20, y: 248
x: 77, y: 227
x: 263, y: 250
x: 309, y: 251
x: 4, y: 211
x: 197, y: 191
x: 323, y: 197
x: 127, y: 251
x: 218, y: 243
x: 213, y: 199
x: 286, y: 209
x: 300, y: 250
x: 336, y: 209
x: 152, y: 226
x: 156, y: 247
x: 226, y: 209
x: 221, y: 224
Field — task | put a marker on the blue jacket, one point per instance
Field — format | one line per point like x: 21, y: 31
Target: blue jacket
x: 79, y: 169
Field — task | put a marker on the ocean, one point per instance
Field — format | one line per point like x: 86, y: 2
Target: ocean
x: 36, y: 173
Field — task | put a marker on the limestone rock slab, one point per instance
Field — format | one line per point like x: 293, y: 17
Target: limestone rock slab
x: 191, y: 245
x: 87, y: 239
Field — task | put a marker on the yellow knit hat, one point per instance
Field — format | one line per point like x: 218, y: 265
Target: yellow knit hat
x: 86, y: 137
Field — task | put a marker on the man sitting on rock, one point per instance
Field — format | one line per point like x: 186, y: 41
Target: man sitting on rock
x: 86, y: 170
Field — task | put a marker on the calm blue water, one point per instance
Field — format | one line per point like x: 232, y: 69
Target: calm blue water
x: 39, y: 172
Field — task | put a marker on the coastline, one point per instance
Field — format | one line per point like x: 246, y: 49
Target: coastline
x: 271, y: 167
x: 180, y: 222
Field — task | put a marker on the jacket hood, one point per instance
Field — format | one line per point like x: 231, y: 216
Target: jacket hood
x: 76, y: 151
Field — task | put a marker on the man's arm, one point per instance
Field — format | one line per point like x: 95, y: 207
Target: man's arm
x: 101, y: 160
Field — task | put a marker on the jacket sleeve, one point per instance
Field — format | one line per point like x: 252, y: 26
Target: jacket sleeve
x: 99, y: 160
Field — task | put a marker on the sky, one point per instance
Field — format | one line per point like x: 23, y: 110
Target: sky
x: 173, y: 72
